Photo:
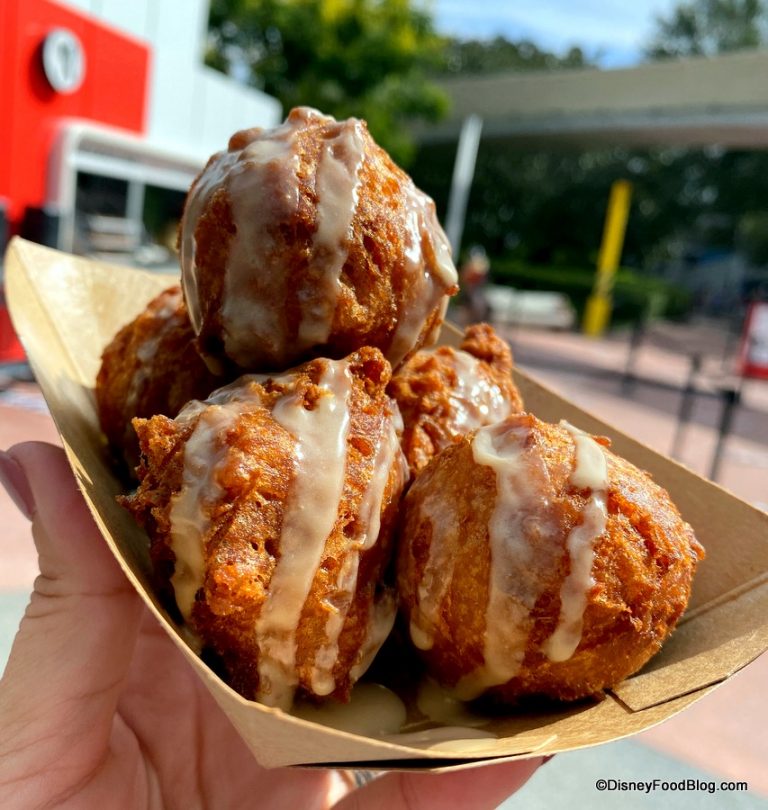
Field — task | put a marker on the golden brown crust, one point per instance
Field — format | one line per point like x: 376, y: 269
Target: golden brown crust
x: 150, y: 367
x: 425, y: 386
x: 483, y: 342
x: 375, y: 285
x: 213, y: 234
x: 242, y: 544
x: 643, y: 568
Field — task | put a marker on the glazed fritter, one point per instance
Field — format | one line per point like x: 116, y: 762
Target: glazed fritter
x: 533, y: 561
x: 306, y: 241
x: 445, y: 393
x: 150, y: 367
x: 271, y: 509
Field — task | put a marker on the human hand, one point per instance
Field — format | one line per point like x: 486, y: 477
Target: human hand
x: 99, y: 709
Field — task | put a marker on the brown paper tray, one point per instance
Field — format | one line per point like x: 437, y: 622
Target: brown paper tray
x: 66, y: 309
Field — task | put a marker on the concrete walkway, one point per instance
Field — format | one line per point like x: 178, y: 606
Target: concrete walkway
x: 635, y: 776
x: 591, y: 373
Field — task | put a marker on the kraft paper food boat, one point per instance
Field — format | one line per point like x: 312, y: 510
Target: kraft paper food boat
x: 66, y: 309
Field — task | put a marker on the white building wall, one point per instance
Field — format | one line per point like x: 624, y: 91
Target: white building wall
x: 225, y: 110
x: 81, y: 5
x: 190, y: 108
x: 177, y: 55
x: 127, y: 15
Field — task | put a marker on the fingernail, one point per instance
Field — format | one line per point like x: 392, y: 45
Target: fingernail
x: 14, y: 480
x: 546, y: 759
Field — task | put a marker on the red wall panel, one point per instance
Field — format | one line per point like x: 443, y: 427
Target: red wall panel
x: 113, y: 92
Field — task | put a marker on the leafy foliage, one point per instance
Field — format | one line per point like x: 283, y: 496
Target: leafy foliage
x: 376, y: 58
x: 635, y: 296
x: 708, y: 27
x: 547, y: 207
x: 366, y: 58
x: 473, y: 56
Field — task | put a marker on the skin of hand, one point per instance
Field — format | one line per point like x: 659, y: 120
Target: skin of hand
x: 99, y: 709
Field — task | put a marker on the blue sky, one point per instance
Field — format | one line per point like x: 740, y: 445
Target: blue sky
x: 613, y: 31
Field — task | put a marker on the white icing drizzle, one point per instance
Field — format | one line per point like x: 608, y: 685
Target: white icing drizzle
x: 590, y: 472
x: 146, y: 351
x: 381, y: 619
x: 309, y: 517
x: 447, y: 738
x: 438, y: 569
x: 372, y: 711
x: 204, y: 451
x: 421, y: 639
x: 521, y: 511
x: 441, y: 706
x: 426, y: 284
x: 445, y: 270
x: 263, y: 191
x: 211, y: 178
x: 375, y: 711
x: 336, y: 186
x: 336, y: 604
x: 386, y: 458
x: 475, y: 399
x: 262, y: 188
x: 388, y: 455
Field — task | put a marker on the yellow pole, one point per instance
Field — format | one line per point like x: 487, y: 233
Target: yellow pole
x: 598, y: 309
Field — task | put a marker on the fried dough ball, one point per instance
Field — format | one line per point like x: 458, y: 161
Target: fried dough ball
x: 307, y: 240
x: 270, y: 508
x: 445, y: 393
x: 533, y: 561
x: 150, y: 367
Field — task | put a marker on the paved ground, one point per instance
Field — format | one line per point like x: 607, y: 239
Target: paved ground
x: 591, y: 374
x: 570, y: 781
x: 724, y: 736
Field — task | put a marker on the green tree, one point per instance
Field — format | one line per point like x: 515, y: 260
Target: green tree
x: 708, y: 27
x: 367, y: 58
x: 723, y: 192
x: 547, y: 206
x: 473, y: 56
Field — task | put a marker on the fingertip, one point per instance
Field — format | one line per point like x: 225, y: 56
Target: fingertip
x: 482, y: 786
x: 35, y: 461
x: 69, y: 544
x: 14, y: 480
x: 29, y: 454
x: 49, y: 477
x: 485, y: 786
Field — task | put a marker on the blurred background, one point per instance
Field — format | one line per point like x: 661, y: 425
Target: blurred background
x: 601, y: 170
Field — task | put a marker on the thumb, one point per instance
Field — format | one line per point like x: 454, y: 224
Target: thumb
x: 71, y: 654
x: 484, y: 786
